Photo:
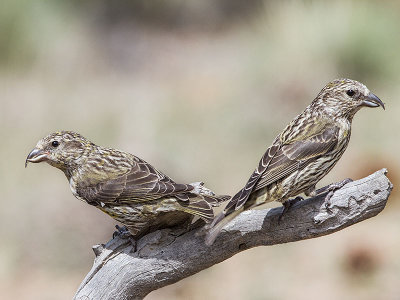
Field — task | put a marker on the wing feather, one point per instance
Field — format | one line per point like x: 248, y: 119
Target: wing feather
x: 241, y: 197
x: 141, y: 183
x: 284, y: 158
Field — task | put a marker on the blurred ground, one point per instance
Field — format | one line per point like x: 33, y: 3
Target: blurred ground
x: 199, y: 91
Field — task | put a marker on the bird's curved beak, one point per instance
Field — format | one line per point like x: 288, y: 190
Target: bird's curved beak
x: 36, y: 156
x: 372, y: 100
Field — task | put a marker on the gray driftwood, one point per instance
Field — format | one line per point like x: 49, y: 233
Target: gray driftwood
x: 164, y: 257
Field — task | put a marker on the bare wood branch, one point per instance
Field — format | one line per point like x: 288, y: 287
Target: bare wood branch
x: 163, y: 257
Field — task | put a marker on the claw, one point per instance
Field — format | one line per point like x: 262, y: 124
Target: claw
x: 328, y: 201
x: 124, y: 233
x: 331, y: 190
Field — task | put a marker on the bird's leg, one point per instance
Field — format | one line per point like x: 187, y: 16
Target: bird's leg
x: 310, y: 192
x: 331, y: 190
x: 124, y: 233
x: 287, y: 205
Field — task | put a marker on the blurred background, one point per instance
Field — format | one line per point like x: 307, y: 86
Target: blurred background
x: 199, y: 89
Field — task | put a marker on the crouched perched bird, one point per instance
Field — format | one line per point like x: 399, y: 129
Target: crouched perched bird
x: 124, y: 186
x: 303, y: 153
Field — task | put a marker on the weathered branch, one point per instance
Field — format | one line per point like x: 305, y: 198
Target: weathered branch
x: 163, y: 258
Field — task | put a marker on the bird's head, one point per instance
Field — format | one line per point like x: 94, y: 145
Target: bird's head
x: 60, y: 149
x: 345, y: 97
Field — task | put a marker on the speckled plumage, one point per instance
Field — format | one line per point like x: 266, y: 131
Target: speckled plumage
x: 305, y: 151
x: 124, y: 186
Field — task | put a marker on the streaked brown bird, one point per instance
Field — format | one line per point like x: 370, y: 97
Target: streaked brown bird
x: 303, y: 153
x: 124, y: 186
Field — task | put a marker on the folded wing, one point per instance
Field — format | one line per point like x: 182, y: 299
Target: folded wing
x: 284, y: 158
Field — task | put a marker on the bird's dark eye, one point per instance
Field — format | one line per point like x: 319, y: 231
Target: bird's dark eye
x: 55, y: 143
x: 350, y: 93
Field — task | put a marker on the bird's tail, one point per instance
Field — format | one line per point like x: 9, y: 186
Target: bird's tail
x: 216, y: 200
x: 218, y: 223
x: 204, y: 200
x: 207, y: 194
x: 200, y: 201
x: 202, y: 206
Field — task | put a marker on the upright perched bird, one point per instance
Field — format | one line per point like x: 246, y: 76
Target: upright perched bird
x: 122, y: 185
x: 303, y: 153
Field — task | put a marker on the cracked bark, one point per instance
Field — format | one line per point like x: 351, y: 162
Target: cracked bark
x: 163, y: 257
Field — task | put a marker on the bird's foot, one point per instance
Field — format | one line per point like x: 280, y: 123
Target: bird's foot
x: 287, y: 205
x: 124, y: 233
x: 331, y: 189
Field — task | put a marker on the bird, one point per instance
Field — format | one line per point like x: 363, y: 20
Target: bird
x: 302, y: 154
x: 124, y: 186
